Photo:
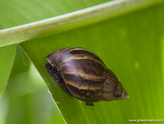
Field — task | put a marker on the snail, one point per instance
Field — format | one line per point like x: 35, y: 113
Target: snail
x: 82, y: 74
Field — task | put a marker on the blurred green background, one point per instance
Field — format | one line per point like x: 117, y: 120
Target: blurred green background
x: 26, y: 99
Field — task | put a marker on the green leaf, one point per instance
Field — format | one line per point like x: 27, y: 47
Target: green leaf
x: 7, y: 55
x: 69, y: 21
x: 130, y: 45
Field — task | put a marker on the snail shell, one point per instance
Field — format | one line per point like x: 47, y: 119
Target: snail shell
x: 83, y: 75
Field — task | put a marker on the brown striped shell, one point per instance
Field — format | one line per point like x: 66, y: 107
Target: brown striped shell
x: 82, y: 74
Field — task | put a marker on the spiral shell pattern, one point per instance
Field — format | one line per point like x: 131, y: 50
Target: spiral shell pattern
x: 83, y: 74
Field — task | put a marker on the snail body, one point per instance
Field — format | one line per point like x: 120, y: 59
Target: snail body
x: 82, y: 74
